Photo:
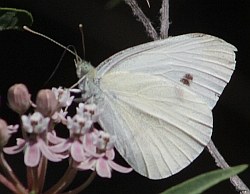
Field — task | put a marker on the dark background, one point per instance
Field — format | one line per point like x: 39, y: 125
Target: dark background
x: 30, y: 59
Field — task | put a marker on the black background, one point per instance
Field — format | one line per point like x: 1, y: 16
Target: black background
x: 30, y: 59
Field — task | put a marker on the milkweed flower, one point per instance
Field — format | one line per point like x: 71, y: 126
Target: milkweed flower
x: 78, y: 126
x: 63, y: 100
x: 59, y: 116
x: 34, y: 145
x: 63, y: 96
x: 101, y: 161
x: 92, y: 109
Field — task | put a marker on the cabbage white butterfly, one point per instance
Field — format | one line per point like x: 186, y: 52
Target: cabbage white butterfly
x: 158, y: 99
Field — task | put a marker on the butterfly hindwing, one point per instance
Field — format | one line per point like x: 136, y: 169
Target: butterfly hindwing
x: 161, y: 127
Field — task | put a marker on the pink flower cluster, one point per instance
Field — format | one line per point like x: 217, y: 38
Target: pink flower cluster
x: 87, y: 147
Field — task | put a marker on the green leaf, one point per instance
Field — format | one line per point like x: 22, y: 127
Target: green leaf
x: 14, y: 19
x: 202, y: 182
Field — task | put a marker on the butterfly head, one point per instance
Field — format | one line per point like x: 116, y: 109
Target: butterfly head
x: 82, y: 67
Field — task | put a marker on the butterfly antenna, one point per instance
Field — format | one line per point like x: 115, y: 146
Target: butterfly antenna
x: 83, y: 44
x: 57, y: 43
x: 48, y: 38
x: 59, y: 62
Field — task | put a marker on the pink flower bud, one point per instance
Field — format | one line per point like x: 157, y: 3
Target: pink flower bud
x: 19, y: 98
x: 46, y: 102
x: 4, y: 134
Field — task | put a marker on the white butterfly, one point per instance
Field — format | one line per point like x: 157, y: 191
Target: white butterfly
x: 158, y: 99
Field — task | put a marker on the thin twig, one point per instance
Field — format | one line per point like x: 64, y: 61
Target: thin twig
x: 164, y: 19
x: 143, y: 19
x: 220, y: 162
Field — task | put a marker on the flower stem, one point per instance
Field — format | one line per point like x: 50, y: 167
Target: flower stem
x: 83, y: 186
x: 11, y: 176
x: 8, y: 184
x: 34, y: 175
x: 29, y: 178
x: 42, y: 169
x: 63, y: 183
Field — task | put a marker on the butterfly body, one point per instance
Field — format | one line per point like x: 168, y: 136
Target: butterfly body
x: 157, y: 99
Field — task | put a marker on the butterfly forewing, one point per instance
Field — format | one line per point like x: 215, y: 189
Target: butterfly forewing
x: 208, y: 59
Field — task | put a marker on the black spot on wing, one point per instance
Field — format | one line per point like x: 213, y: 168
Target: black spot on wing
x: 187, y: 79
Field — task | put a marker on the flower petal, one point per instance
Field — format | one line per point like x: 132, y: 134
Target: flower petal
x: 62, y: 147
x: 88, y: 143
x: 32, y: 154
x: 16, y: 149
x: 13, y: 128
x: 46, y: 152
x: 77, y: 152
x: 60, y: 117
x: 20, y: 141
x: 110, y: 154
x: 111, y: 143
x: 118, y: 167
x: 102, y: 168
x: 74, y: 90
x: 87, y: 164
x: 26, y: 123
x: 54, y: 139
